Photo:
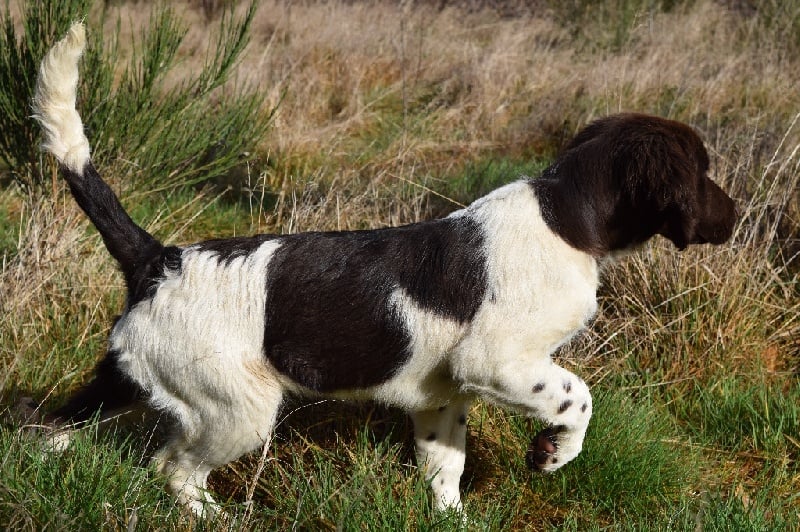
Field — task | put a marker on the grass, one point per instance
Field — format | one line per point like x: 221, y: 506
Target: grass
x: 94, y: 485
x: 381, y: 115
x: 125, y: 110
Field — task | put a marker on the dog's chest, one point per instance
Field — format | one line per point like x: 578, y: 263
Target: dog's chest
x: 541, y: 293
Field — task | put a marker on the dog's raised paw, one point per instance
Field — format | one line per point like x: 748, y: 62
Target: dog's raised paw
x: 542, y: 450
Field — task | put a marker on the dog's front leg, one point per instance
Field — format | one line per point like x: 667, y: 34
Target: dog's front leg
x: 440, y: 437
x: 551, y: 393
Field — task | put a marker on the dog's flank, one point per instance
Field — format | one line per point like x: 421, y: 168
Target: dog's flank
x: 426, y: 317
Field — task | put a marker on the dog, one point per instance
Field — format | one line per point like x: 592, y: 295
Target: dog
x: 426, y: 317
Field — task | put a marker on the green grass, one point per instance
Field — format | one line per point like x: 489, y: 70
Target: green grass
x: 327, y: 469
x: 8, y: 239
x: 99, y: 483
x: 479, y: 177
x: 654, y: 458
x: 693, y: 360
x: 761, y: 510
x: 748, y: 415
x: 159, y: 133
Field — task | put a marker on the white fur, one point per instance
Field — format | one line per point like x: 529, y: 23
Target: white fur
x: 197, y: 348
x: 54, y: 101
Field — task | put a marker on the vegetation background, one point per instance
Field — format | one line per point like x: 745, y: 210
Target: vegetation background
x: 212, y: 118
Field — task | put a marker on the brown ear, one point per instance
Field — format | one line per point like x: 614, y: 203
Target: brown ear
x: 694, y: 209
x: 679, y: 227
x: 656, y: 174
x: 675, y: 190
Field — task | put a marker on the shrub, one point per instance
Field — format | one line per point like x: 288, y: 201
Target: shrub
x: 167, y: 133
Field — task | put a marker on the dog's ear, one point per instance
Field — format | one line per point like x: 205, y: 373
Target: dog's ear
x: 658, y: 173
x: 662, y: 166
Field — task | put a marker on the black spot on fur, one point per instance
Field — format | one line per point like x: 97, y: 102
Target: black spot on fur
x: 431, y: 437
x: 329, y: 322
x: 462, y: 419
x: 584, y: 407
x: 144, y: 282
x: 228, y: 249
x: 567, y: 386
x: 564, y: 406
x: 538, y: 387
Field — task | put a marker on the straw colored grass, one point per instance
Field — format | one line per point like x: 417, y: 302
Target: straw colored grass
x: 389, y: 113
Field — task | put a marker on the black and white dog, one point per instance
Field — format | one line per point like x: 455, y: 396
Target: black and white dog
x: 426, y: 317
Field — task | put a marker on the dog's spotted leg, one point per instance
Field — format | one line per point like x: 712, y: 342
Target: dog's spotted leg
x: 554, y: 395
x: 440, y: 437
x: 567, y: 407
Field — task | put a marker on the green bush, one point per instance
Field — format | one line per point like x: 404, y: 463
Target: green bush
x: 167, y: 134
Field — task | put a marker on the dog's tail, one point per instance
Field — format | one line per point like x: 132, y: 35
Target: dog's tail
x: 54, y: 108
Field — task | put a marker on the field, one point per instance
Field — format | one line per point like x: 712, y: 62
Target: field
x: 358, y: 114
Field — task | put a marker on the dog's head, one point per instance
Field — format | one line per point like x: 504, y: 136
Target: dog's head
x: 628, y: 177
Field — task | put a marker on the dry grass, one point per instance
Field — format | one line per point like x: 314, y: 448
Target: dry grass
x: 372, y: 93
x: 380, y: 103
x: 375, y: 93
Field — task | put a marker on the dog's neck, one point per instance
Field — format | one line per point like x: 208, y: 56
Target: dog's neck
x: 570, y: 217
x: 589, y: 218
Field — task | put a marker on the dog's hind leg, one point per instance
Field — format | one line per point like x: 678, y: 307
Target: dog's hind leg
x: 440, y: 437
x: 211, y: 433
x: 108, y: 396
x: 187, y: 475
x: 109, y: 393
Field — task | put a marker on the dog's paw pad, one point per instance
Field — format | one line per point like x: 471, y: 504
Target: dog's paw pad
x: 542, y: 450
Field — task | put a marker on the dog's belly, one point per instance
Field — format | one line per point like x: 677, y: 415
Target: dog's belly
x: 408, y: 390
